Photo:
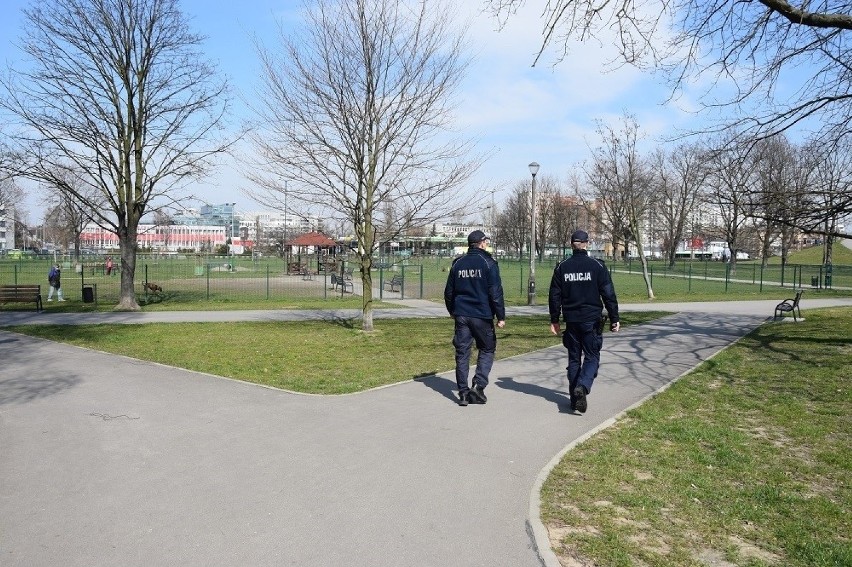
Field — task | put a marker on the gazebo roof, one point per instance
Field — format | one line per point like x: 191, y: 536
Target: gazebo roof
x: 312, y: 239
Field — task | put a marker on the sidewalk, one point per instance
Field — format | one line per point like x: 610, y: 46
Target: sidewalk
x: 410, y: 308
x: 110, y: 460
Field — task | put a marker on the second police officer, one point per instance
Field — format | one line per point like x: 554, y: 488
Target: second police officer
x: 580, y: 289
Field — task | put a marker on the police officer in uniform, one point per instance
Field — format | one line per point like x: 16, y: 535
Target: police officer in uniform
x: 474, y: 297
x: 578, y: 285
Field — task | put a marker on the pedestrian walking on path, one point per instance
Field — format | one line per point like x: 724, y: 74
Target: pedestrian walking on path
x: 474, y: 297
x: 576, y: 289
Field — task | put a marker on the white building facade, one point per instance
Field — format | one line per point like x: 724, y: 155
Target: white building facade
x: 159, y: 238
x: 7, y: 230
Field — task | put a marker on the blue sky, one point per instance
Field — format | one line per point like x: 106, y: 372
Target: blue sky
x: 516, y: 112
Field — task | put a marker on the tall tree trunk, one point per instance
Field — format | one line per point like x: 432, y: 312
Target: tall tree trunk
x: 127, y: 248
x: 367, y: 292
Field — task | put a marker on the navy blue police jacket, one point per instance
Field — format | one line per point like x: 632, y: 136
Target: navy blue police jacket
x: 474, y: 288
x: 580, y: 289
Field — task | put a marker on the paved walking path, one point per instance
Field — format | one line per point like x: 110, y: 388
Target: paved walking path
x: 109, y: 460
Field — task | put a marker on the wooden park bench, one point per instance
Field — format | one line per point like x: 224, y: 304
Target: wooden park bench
x: 395, y: 283
x: 789, y: 306
x: 24, y: 293
x: 343, y: 282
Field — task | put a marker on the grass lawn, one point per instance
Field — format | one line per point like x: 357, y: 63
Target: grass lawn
x: 313, y: 357
x: 747, y: 461
x: 840, y: 255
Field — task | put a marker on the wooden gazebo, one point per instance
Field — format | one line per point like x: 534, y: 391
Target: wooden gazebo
x: 316, y: 240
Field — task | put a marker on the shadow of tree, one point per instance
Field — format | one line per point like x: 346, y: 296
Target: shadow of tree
x: 23, y: 390
x: 344, y: 322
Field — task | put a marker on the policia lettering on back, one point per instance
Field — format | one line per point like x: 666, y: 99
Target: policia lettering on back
x: 579, y: 277
x: 580, y: 289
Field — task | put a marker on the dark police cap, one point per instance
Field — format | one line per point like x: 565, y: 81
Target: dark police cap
x: 579, y: 236
x: 476, y: 237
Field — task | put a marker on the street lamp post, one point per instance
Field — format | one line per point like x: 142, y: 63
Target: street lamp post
x: 531, y: 285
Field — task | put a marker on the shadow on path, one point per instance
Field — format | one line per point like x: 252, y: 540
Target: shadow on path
x: 557, y: 397
x: 443, y: 386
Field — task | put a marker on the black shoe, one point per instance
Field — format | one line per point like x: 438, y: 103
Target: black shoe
x: 580, y: 403
x: 477, y: 395
x: 464, y: 399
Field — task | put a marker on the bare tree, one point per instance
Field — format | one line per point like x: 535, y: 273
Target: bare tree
x: 354, y: 115
x: 163, y: 222
x: 619, y: 174
x: 678, y: 178
x: 728, y: 191
x: 119, y: 91
x: 547, y: 190
x: 818, y: 191
x: 513, y: 223
x: 68, y: 216
x: 12, y: 211
x: 831, y: 179
x: 604, y: 204
x: 11, y: 194
x: 774, y: 203
x: 568, y: 216
x: 749, y: 43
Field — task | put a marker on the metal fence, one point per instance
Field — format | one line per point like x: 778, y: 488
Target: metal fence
x: 186, y: 279
x: 789, y: 275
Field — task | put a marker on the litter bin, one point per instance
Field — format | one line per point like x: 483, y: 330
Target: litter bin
x: 814, y: 281
x: 88, y: 294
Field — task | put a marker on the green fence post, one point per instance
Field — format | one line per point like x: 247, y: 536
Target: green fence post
x: 651, y: 274
x: 689, y: 278
x: 208, y: 281
x: 421, y: 282
x: 15, y: 272
x: 267, y: 282
x: 522, y: 280
x: 727, y: 275
x: 761, y: 279
x: 402, y: 285
x: 381, y: 283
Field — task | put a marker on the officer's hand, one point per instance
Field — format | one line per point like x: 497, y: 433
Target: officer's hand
x: 501, y: 324
x: 554, y: 328
x: 615, y: 327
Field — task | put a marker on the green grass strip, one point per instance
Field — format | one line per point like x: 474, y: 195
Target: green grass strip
x: 747, y: 461
x: 313, y: 357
